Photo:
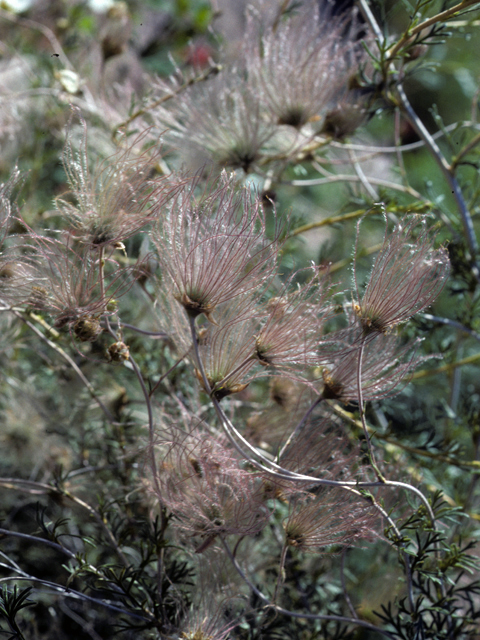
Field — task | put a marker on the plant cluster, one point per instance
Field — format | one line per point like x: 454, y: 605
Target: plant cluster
x: 210, y: 430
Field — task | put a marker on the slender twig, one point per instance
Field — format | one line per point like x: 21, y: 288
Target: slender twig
x: 412, y: 146
x: 344, y: 585
x: 451, y: 323
x: 347, y: 177
x: 352, y: 215
x: 26, y: 536
x: 77, y: 595
x: 151, y: 426
x: 214, y: 68
x: 446, y: 367
x: 439, y: 17
x: 362, y: 177
x: 151, y: 434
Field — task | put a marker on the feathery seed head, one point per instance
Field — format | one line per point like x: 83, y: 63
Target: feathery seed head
x: 407, y: 276
x: 212, y: 248
x: 207, y: 490
x: 220, y: 119
x: 65, y: 283
x: 387, y: 366
x: 291, y: 336
x: 116, y: 198
x: 328, y: 518
x: 300, y: 65
x: 227, y: 350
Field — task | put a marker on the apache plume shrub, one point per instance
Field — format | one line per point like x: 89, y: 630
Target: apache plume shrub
x: 216, y: 450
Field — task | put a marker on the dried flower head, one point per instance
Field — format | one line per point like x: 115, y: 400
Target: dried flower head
x: 118, y: 352
x: 407, y: 276
x: 300, y: 65
x: 206, y: 489
x: 227, y: 350
x: 291, y: 337
x: 329, y: 517
x: 116, y: 198
x: 220, y: 119
x: 387, y: 366
x: 67, y: 284
x: 213, y: 247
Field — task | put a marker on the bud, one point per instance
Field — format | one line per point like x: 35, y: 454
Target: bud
x: 118, y: 352
x: 87, y: 329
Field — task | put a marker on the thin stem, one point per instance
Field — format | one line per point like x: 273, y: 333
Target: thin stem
x: 347, y: 177
x: 151, y: 435
x: 362, y: 412
x: 344, y: 585
x: 451, y: 323
x: 362, y: 177
x: 188, y: 83
x: 440, y: 17
x: 77, y: 595
x: 446, y: 367
x: 405, y: 147
x: 26, y: 536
